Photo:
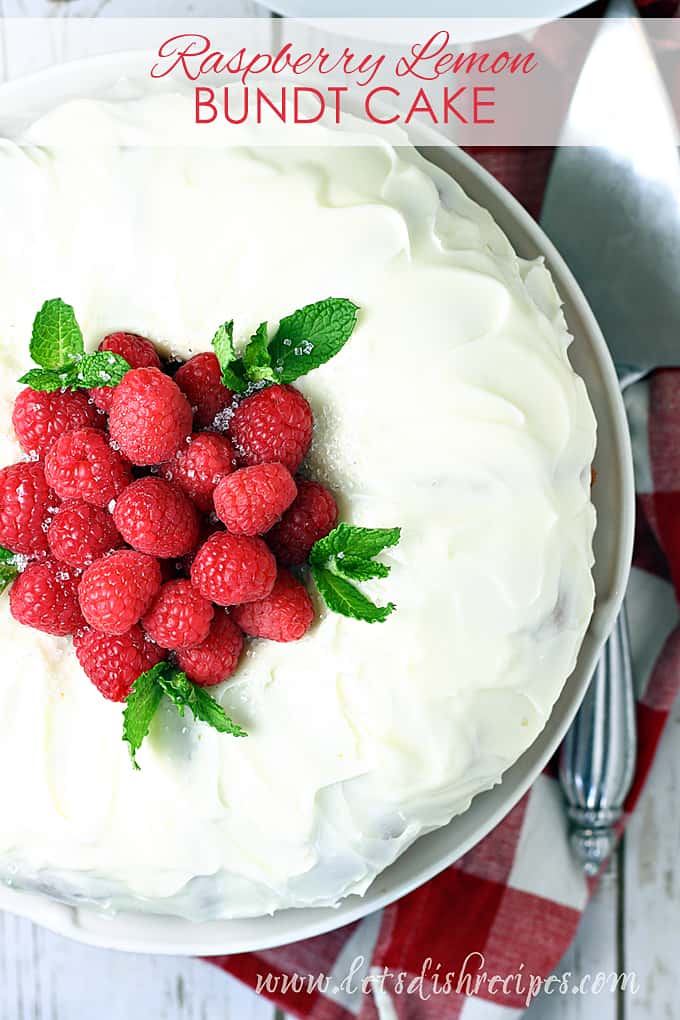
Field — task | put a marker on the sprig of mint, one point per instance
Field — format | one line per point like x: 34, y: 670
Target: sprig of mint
x: 308, y: 338
x: 347, y: 555
x: 8, y: 568
x: 233, y: 375
x: 56, y: 339
x: 311, y: 336
x: 256, y: 357
x: 147, y: 693
x: 57, y: 348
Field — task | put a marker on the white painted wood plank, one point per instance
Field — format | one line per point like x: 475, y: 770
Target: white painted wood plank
x: 28, y: 46
x: 134, y: 8
x: 594, y: 949
x: 38, y: 33
x: 4, y: 71
x: 46, y: 977
x: 652, y: 886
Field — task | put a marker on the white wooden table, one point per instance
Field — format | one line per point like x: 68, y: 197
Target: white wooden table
x: 631, y: 924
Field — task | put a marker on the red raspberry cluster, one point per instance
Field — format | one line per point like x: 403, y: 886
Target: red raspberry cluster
x: 148, y: 529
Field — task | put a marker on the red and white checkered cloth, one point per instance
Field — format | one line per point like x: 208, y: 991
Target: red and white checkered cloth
x: 517, y: 897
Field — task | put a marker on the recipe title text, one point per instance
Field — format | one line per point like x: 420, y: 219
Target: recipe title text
x: 431, y: 81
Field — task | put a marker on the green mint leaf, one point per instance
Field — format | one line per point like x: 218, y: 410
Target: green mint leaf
x: 8, y: 568
x: 6, y: 555
x: 232, y: 369
x: 56, y: 337
x: 101, y: 368
x: 361, y: 543
x: 357, y: 569
x: 205, y: 708
x: 311, y: 336
x: 185, y: 694
x: 8, y: 573
x: 45, y: 379
x: 233, y: 379
x: 346, y: 555
x: 147, y: 693
x: 342, y: 597
x: 141, y: 705
x: 256, y: 359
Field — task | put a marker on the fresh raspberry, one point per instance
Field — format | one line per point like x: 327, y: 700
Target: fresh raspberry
x: 229, y: 569
x: 156, y: 517
x: 25, y: 507
x: 285, y: 614
x: 216, y: 658
x: 199, y: 465
x: 137, y: 351
x: 251, y: 500
x: 150, y: 417
x: 182, y: 566
x: 113, y: 663
x: 179, y: 616
x: 311, y: 516
x: 82, y: 465
x: 81, y: 533
x: 39, y: 418
x: 117, y: 590
x: 200, y: 380
x: 274, y: 424
x: 45, y: 596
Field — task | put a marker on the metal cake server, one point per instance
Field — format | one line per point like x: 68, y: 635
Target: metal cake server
x: 613, y: 211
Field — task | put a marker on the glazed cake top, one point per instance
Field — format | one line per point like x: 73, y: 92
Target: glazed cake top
x: 452, y: 412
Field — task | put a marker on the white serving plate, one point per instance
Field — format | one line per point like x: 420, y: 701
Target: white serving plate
x: 613, y: 496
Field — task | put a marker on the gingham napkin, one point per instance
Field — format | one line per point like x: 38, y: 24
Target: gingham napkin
x: 517, y: 897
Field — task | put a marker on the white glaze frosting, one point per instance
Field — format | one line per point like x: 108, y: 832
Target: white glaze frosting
x: 453, y: 412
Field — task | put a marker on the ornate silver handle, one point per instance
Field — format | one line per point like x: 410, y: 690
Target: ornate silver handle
x: 598, y: 754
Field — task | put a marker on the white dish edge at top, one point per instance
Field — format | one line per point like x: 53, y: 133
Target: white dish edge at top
x: 394, y: 22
